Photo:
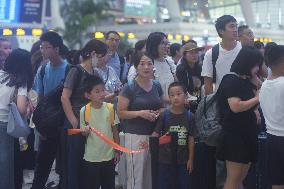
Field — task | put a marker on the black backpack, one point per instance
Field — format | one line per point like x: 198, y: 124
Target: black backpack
x: 215, y: 55
x: 49, y: 115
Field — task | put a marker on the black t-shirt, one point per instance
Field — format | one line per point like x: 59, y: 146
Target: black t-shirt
x: 183, y: 126
x: 139, y: 99
x: 74, y: 81
x: 234, y: 86
x: 187, y: 74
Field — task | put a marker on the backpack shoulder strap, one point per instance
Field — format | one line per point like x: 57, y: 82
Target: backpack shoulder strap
x: 169, y: 66
x: 189, y: 115
x: 67, y: 69
x: 122, y: 62
x: 166, y: 117
x: 215, y: 55
x: 42, y: 73
x: 131, y: 85
x: 204, y: 107
x: 87, y: 113
x: 112, y: 113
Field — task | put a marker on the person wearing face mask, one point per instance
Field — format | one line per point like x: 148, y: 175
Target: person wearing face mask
x: 72, y: 101
x: 5, y: 50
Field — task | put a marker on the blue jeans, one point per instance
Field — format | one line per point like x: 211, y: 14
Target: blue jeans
x: 168, y: 174
x: 6, y: 158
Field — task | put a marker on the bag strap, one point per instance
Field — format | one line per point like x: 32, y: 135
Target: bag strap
x: 170, y: 67
x: 42, y: 73
x: 215, y: 55
x: 122, y: 63
x: 87, y: 113
x: 112, y: 113
x: 14, y: 96
x: 166, y: 117
x: 204, y: 107
x: 189, y: 115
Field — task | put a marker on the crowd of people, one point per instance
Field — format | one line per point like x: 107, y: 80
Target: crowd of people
x: 150, y: 92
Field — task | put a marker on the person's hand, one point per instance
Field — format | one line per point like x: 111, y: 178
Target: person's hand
x: 148, y: 115
x: 189, y: 166
x: 257, y: 93
x: 256, y: 81
x: 258, y: 117
x: 116, y: 157
x: 74, y: 122
x: 155, y: 134
x: 86, y: 130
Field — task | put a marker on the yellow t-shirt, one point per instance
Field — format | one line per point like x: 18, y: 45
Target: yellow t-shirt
x: 96, y: 150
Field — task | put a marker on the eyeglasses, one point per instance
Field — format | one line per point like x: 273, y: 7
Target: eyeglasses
x: 164, y: 42
x: 100, y: 55
x: 45, y: 47
x: 114, y: 40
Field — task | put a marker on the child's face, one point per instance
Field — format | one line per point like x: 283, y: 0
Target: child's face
x: 97, y: 94
x: 177, y: 96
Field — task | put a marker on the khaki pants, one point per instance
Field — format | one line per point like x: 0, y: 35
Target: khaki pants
x: 138, y: 165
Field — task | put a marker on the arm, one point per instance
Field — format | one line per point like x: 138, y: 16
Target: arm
x: 116, y: 140
x: 191, y: 153
x: 237, y: 105
x: 84, y: 128
x: 263, y: 71
x: 115, y: 134
x: 207, y: 72
x: 67, y: 107
x: 22, y: 104
x: 122, y: 107
x: 123, y: 113
x: 208, y: 85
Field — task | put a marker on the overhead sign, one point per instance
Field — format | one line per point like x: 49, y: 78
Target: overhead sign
x: 21, y: 11
x: 140, y: 8
x: 31, y: 11
x: 9, y: 11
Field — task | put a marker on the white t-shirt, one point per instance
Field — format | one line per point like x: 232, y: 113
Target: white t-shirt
x: 6, y: 94
x: 163, y: 73
x: 272, y: 105
x: 131, y: 73
x: 223, y: 63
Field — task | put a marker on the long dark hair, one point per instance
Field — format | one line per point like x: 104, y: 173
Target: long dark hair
x: 19, y: 69
x: 153, y: 42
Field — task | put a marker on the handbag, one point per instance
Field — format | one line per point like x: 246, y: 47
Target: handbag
x: 17, y: 124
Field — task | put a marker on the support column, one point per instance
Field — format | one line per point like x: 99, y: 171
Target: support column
x: 174, y: 10
x: 247, y: 12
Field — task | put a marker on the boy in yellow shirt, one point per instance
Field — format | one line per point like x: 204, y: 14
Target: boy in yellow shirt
x: 99, y: 158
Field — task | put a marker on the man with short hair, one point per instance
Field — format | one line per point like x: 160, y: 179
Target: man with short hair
x: 227, y: 51
x: 229, y: 48
x: 5, y: 50
x: 246, y: 36
x: 115, y: 61
x: 54, y: 72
